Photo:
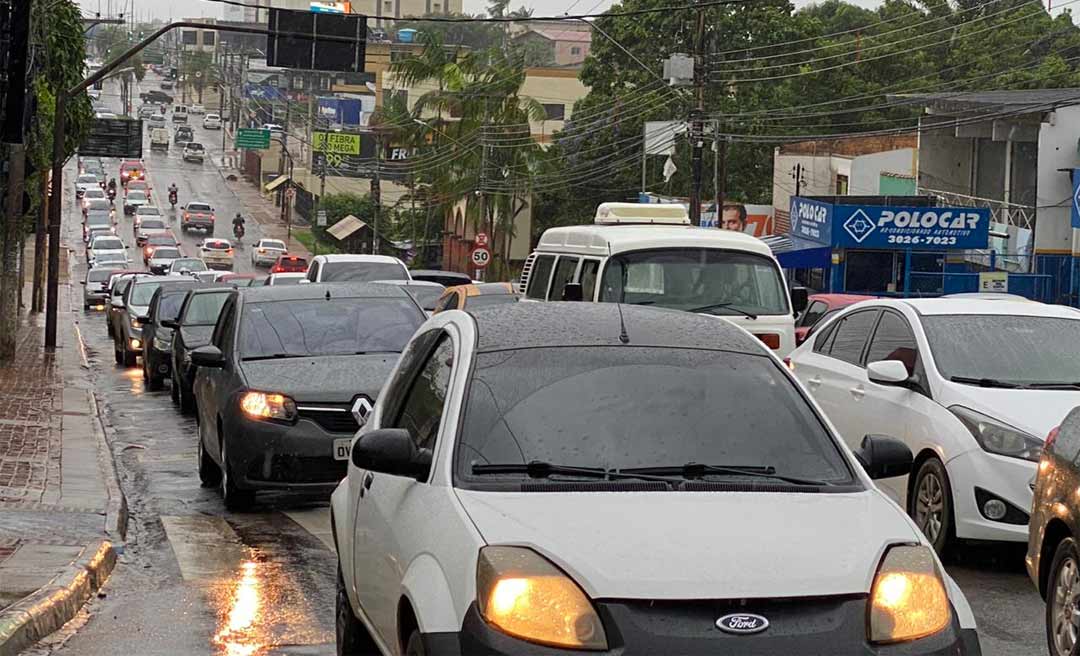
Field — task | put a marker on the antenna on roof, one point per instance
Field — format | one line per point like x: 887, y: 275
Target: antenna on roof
x: 623, y: 336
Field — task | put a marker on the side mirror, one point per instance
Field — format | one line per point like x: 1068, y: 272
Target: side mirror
x: 82, y: 282
x: 572, y: 292
x: 887, y: 372
x: 800, y: 298
x: 171, y: 323
x: 884, y: 457
x: 391, y: 451
x: 207, y: 356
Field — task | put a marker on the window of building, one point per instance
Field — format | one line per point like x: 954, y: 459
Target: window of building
x: 189, y: 37
x: 388, y: 7
x: 841, y: 185
x: 436, y: 8
x: 555, y: 111
x: 575, y: 50
x: 209, y: 38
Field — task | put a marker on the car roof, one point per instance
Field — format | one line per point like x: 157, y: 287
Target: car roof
x: 321, y: 289
x: 600, y: 240
x: 341, y: 257
x: 211, y: 288
x: 537, y: 325
x: 942, y: 306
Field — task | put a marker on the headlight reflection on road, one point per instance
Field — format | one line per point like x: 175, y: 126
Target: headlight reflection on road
x: 238, y: 634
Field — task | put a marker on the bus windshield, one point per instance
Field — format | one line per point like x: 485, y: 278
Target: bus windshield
x: 704, y: 280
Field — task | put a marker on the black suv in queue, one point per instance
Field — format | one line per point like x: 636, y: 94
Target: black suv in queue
x: 157, y: 337
x: 191, y: 329
x: 290, y: 375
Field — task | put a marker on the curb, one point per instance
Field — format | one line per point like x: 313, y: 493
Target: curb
x: 116, y: 510
x: 58, y: 601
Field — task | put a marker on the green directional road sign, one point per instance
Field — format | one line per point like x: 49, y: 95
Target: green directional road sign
x: 253, y: 138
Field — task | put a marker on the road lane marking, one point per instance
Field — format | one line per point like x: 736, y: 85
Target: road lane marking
x: 316, y: 522
x: 206, y: 548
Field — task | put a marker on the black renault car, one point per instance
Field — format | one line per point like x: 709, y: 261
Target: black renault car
x: 192, y: 329
x: 289, y: 376
x: 157, y: 337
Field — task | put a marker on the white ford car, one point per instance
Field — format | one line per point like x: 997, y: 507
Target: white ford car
x: 547, y: 478
x: 972, y: 386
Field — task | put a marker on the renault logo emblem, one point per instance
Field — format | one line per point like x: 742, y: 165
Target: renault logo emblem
x: 361, y: 410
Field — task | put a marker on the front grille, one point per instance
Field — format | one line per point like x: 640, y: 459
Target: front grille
x: 332, y: 418
x: 299, y: 469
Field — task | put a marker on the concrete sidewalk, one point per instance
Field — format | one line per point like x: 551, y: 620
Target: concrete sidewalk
x: 61, y: 508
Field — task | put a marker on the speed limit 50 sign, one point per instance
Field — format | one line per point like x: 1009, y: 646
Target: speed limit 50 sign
x: 480, y: 257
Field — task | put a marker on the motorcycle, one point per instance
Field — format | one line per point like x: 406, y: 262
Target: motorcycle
x: 112, y: 194
x: 172, y: 199
x: 238, y: 231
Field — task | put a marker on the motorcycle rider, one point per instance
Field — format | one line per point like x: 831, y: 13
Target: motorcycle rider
x: 238, y: 226
x: 172, y: 193
x: 111, y: 189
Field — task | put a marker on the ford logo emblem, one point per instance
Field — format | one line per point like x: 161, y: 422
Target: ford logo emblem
x: 742, y: 623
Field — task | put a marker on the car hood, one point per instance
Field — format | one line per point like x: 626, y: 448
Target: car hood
x: 1032, y: 411
x: 699, y: 545
x: 323, y: 379
x: 196, y: 336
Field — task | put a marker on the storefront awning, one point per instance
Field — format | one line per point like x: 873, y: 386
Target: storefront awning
x: 276, y: 182
x: 795, y: 253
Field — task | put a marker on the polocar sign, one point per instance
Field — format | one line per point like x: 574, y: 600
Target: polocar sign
x: 890, y: 228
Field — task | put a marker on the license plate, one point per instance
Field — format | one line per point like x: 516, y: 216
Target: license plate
x: 342, y: 448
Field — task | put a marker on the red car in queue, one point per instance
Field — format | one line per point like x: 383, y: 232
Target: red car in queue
x: 131, y: 169
x: 819, y: 307
x: 153, y: 241
x: 289, y: 264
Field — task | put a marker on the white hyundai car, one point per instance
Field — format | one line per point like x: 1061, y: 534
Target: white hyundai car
x: 266, y: 252
x: 217, y: 253
x: 972, y: 386
x: 548, y: 478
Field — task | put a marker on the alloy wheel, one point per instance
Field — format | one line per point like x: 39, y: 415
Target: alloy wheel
x: 930, y: 505
x: 1065, y: 613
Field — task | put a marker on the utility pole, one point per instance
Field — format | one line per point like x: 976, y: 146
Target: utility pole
x: 697, y: 138
x: 796, y: 173
x: 376, y: 192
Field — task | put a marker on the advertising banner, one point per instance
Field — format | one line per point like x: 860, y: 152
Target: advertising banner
x: 900, y: 228
x: 1076, y: 198
x: 811, y: 219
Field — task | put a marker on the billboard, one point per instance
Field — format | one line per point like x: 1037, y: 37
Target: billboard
x: 890, y: 228
x: 316, y: 40
x: 113, y: 137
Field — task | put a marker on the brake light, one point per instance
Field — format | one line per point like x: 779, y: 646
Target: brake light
x: 229, y: 251
x: 772, y: 340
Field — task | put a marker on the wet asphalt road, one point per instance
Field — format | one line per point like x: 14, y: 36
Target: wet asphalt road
x: 195, y: 579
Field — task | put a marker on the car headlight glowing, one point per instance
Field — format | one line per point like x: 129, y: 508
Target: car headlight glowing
x: 908, y: 600
x: 997, y: 437
x: 135, y: 323
x: 266, y: 405
x: 522, y: 594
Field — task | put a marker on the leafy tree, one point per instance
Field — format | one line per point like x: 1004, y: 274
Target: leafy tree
x: 199, y: 72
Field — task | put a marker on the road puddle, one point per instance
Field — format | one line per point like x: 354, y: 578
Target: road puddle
x: 238, y: 634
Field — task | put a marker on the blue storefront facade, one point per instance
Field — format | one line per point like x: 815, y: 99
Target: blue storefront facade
x: 900, y: 246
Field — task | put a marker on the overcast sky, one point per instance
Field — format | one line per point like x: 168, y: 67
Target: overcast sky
x: 195, y: 8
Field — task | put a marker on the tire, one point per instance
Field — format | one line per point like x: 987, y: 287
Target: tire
x: 209, y: 472
x: 117, y: 355
x: 236, y: 500
x: 154, y: 382
x: 129, y: 356
x: 1063, y: 589
x: 931, y: 504
x: 174, y: 388
x: 351, y: 635
x: 415, y: 645
x: 186, y: 398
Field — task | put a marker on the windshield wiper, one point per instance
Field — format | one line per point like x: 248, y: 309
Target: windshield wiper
x: 724, y: 306
x: 540, y: 469
x: 985, y: 382
x: 697, y: 470
x: 1053, y: 385
x: 275, y: 356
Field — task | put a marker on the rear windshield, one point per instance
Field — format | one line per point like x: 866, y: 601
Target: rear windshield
x: 136, y: 194
x: 287, y: 280
x: 149, y: 210
x: 670, y: 407
x: 108, y: 244
x: 98, y: 203
x: 165, y: 253
x: 270, y: 243
x: 189, y: 263
x: 98, y: 275
x: 203, y: 310
x: 198, y: 207
x: 98, y: 218
x: 361, y: 272
x: 88, y: 178
x: 194, y: 146
x: 217, y: 245
x: 152, y: 224
x: 343, y: 326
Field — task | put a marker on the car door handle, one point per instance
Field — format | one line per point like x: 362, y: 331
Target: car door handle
x: 368, y: 479
x: 858, y: 392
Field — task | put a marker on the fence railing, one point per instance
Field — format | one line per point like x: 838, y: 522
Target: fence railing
x: 1021, y: 216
